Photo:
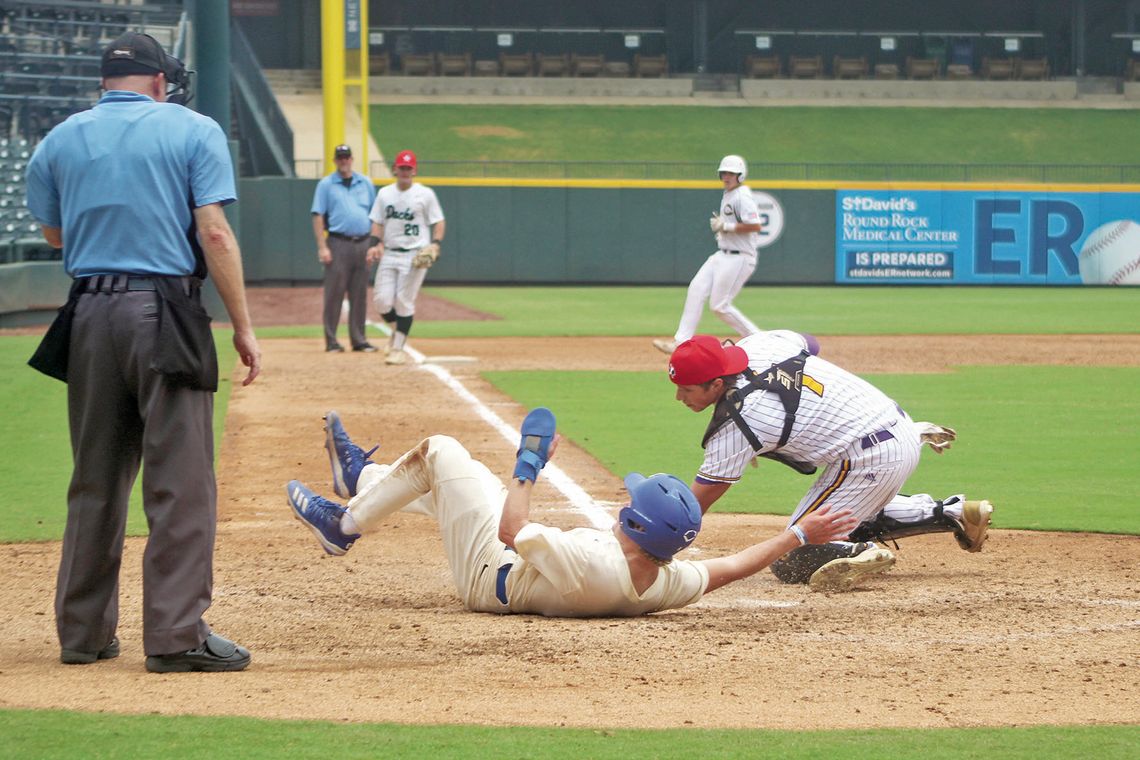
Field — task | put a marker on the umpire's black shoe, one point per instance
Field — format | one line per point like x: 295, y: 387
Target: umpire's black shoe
x: 75, y: 657
x: 367, y: 348
x: 214, y: 655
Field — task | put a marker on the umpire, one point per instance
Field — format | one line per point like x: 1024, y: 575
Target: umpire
x: 341, y: 204
x: 132, y: 190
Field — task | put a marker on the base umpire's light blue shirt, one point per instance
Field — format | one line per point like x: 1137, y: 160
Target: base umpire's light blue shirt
x: 347, y: 207
x: 119, y: 179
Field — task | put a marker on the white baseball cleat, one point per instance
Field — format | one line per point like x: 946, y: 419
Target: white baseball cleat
x: 665, y: 345
x: 842, y: 574
x: 975, y: 524
x: 396, y: 356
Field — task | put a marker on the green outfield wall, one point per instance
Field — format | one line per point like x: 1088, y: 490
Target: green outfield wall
x: 524, y: 231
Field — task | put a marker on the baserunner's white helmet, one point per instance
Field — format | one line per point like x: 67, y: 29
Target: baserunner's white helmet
x: 734, y: 164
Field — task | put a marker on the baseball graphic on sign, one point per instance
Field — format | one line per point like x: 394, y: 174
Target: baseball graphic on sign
x: 771, y: 218
x: 1111, y: 254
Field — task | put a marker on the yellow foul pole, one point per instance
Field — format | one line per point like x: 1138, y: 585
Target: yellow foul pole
x: 344, y: 65
x: 332, y: 76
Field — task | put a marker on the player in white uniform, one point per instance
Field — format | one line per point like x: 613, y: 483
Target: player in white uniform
x: 407, y: 229
x: 725, y: 272
x: 502, y: 562
x: 808, y: 413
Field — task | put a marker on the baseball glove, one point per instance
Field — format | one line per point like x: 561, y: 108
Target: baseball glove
x: 936, y: 437
x: 426, y: 256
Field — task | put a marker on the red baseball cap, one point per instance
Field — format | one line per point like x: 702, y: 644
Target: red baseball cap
x: 702, y: 358
x: 406, y: 158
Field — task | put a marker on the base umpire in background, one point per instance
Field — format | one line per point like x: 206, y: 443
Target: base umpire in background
x: 341, y: 203
x: 133, y: 191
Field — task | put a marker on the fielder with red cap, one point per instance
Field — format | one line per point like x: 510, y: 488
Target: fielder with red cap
x: 774, y: 397
x: 407, y: 228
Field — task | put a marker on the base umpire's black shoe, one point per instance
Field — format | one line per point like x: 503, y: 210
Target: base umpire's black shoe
x: 335, y: 348
x: 214, y: 655
x: 75, y: 657
x: 367, y: 348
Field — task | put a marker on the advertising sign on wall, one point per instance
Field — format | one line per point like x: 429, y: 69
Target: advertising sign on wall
x: 991, y: 237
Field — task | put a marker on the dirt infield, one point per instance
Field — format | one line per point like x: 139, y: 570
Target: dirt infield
x: 1038, y: 628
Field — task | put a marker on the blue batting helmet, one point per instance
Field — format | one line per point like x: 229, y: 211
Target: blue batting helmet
x: 663, y: 516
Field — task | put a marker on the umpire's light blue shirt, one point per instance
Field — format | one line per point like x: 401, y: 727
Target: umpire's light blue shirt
x: 120, y: 179
x: 345, y: 208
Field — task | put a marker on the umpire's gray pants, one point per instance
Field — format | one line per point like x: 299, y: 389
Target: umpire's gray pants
x: 346, y: 273
x: 121, y: 412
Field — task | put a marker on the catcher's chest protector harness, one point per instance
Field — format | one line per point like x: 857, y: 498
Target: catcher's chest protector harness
x: 786, y: 379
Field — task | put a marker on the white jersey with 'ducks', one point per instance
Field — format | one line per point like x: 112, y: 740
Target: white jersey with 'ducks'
x: 406, y: 215
x: 738, y: 206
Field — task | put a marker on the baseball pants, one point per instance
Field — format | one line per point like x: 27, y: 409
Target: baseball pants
x: 122, y: 413
x: 347, y: 273
x: 398, y: 283
x: 869, y: 479
x: 439, y: 478
x: 718, y: 282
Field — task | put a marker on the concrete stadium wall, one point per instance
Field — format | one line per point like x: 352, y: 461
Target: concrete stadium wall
x: 526, y: 234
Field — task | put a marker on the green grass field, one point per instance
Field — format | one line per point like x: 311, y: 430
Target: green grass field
x: 48, y: 735
x: 774, y: 135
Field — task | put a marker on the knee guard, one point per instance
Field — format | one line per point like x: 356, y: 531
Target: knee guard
x: 389, y: 316
x: 404, y: 324
x: 798, y: 565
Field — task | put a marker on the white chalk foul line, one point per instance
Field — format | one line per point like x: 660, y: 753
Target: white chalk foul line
x: 575, y: 494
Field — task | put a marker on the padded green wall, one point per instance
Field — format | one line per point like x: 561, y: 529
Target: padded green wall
x: 552, y: 234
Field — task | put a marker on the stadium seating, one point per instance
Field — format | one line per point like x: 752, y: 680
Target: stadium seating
x: 1031, y: 68
x: 762, y: 66
x: 552, y: 65
x: 805, y: 67
x: 997, y: 68
x: 418, y: 64
x: 379, y: 64
x: 586, y: 65
x: 921, y: 68
x: 650, y: 65
x: 1132, y: 70
x: 516, y: 64
x: 849, y: 68
x: 454, y: 64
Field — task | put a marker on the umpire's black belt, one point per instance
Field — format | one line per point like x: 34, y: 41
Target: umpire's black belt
x: 121, y: 283
x: 349, y: 238
x: 874, y: 439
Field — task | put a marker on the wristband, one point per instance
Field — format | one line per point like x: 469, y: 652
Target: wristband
x: 373, y: 241
x: 436, y: 242
x: 798, y: 532
x: 730, y: 226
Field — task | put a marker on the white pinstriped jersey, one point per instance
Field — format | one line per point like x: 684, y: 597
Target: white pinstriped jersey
x: 837, y: 409
x: 584, y: 573
x: 406, y: 215
x: 738, y: 206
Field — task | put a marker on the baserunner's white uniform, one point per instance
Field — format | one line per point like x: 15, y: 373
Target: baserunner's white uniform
x: 565, y: 573
x: 726, y: 271
x: 864, y: 443
x: 406, y: 217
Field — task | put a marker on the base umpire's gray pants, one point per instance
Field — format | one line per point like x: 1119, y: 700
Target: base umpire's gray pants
x: 346, y: 273
x: 122, y: 413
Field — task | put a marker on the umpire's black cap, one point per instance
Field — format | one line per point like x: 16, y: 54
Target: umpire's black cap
x: 133, y: 53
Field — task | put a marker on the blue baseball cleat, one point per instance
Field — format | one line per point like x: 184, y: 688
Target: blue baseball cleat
x: 534, y: 447
x: 345, y: 457
x: 322, y: 517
